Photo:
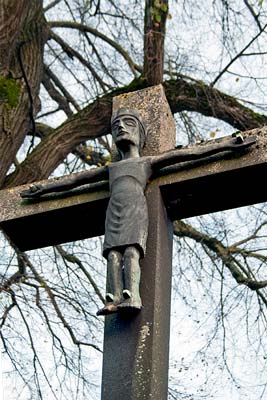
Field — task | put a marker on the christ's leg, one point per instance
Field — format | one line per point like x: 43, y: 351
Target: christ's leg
x: 115, y: 283
x: 132, y: 274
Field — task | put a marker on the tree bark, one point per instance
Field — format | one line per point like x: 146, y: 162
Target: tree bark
x: 12, y: 17
x: 94, y: 121
x: 21, y: 74
x: 199, y: 97
x: 226, y: 254
x: 155, y: 26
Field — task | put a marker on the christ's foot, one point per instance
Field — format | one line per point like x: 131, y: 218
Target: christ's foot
x: 130, y: 305
x: 110, y: 308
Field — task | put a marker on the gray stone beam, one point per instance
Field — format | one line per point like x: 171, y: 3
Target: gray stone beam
x: 55, y: 218
x: 188, y: 189
x: 217, y: 183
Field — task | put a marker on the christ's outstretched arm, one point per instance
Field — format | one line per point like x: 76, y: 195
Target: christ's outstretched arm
x: 201, y: 151
x: 61, y: 185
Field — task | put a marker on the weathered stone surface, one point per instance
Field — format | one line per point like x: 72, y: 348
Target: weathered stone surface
x: 136, y: 348
x: 189, y: 189
x: 53, y: 219
x: 154, y: 109
x: 221, y: 182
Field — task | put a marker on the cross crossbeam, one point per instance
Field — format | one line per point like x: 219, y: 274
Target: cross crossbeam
x: 190, y: 189
x: 135, y: 362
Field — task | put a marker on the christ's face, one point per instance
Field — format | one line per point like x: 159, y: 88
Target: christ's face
x: 125, y: 131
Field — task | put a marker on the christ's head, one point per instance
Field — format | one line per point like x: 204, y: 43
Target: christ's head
x: 128, y: 130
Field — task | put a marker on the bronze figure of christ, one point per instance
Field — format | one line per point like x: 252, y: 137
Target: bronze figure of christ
x: 126, y: 225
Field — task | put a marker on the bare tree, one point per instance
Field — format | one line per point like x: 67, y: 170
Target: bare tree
x: 61, y: 64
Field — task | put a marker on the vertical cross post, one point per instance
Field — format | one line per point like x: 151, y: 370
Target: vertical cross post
x: 135, y: 362
x: 136, y: 349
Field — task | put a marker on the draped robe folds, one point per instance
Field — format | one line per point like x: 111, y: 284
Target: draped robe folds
x: 127, y: 216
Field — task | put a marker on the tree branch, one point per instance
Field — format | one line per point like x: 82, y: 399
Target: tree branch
x: 56, y: 96
x: 237, y: 56
x: 61, y: 87
x: 73, y: 53
x: 154, y: 36
x: 75, y: 260
x: 199, y: 97
x: 51, y: 5
x: 94, y: 121
x: 252, y: 12
x: 85, y: 28
x: 240, y: 274
x: 16, y: 117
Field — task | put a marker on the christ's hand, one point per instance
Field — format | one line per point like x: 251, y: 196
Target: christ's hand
x: 34, y: 191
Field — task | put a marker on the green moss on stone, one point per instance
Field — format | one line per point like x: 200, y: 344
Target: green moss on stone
x: 9, y: 91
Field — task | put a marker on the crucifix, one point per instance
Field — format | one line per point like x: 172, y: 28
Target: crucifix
x: 146, y: 194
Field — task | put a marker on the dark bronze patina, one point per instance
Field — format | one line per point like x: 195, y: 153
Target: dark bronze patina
x: 126, y: 226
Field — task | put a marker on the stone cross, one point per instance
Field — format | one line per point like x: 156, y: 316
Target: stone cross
x: 136, y: 349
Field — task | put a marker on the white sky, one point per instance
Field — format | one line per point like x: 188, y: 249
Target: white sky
x: 182, y: 328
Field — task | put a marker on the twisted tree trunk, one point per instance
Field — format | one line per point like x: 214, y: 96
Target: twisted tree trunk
x: 155, y: 26
x: 22, y: 38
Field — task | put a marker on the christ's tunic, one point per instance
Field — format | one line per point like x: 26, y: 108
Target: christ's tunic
x: 127, y: 216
